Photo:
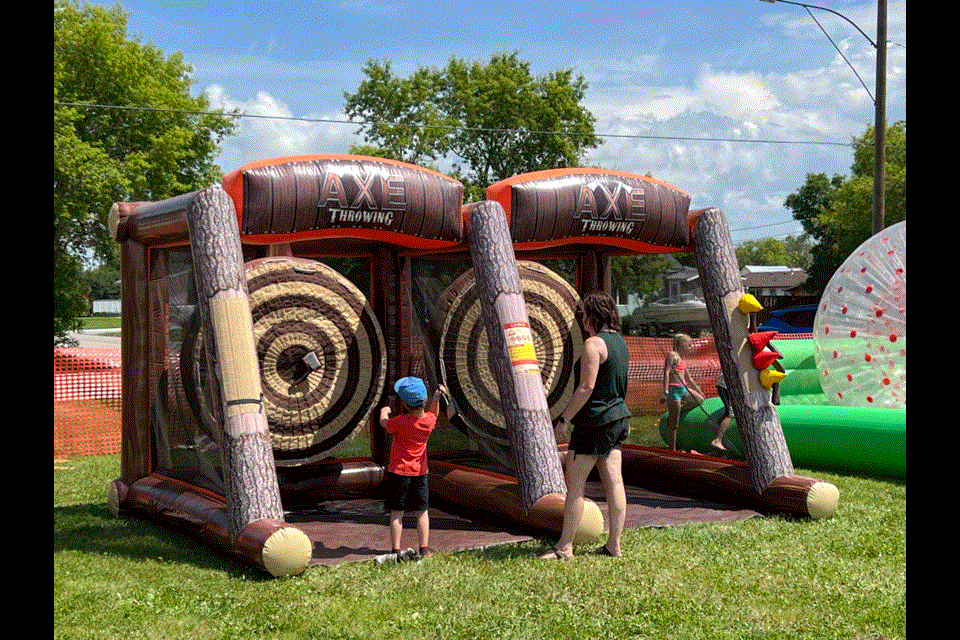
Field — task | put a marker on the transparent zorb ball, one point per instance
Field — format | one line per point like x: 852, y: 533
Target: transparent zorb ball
x: 860, y: 330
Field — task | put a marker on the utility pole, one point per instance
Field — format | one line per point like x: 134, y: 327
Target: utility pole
x: 880, y: 122
x: 879, y: 102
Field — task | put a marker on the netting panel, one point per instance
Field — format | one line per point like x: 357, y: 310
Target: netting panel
x: 86, y: 402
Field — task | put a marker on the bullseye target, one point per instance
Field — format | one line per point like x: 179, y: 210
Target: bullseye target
x: 467, y: 364
x: 321, y: 354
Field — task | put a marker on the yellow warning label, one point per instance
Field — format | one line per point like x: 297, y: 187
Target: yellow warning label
x: 523, y: 356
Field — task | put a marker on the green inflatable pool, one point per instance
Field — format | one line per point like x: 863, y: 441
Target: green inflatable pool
x: 865, y: 440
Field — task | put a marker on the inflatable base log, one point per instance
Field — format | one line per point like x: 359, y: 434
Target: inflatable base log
x: 490, y: 495
x: 272, y: 545
x: 333, y: 479
x: 727, y: 482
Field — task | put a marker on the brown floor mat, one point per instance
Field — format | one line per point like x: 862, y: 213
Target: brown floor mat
x: 357, y: 529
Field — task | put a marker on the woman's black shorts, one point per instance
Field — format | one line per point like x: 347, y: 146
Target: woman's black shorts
x: 599, y: 440
x: 406, y: 493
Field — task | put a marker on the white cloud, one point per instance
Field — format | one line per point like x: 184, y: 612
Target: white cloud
x: 737, y: 170
x: 271, y: 130
x: 735, y: 95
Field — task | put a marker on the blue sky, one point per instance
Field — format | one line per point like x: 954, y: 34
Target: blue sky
x: 734, y: 102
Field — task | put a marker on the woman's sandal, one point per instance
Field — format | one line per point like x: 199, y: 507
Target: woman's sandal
x: 556, y: 554
x: 603, y: 551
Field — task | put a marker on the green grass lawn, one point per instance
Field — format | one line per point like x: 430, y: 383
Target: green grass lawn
x: 100, y: 322
x: 773, y: 577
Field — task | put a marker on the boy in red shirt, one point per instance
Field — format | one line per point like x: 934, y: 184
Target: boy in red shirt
x: 405, y: 483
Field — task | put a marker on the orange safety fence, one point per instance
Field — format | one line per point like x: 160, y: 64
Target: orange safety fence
x: 645, y: 372
x: 86, y: 390
x: 86, y: 402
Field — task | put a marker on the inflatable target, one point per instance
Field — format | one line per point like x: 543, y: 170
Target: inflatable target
x: 466, y: 363
x: 321, y: 354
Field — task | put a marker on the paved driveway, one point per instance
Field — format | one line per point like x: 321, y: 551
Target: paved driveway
x: 97, y: 338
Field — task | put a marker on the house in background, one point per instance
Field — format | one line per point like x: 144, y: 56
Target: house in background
x: 682, y: 282
x: 677, y: 283
x: 781, y: 292
x: 767, y: 281
x: 680, y: 306
x: 779, y: 282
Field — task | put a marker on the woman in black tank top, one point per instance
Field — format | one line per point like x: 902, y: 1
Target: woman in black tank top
x: 601, y: 422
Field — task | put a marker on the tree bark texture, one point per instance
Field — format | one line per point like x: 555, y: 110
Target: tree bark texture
x: 390, y: 306
x: 135, y: 363
x: 251, y: 481
x: 522, y: 396
x: 766, y: 449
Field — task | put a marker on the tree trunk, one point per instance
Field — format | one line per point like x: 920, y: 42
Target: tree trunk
x: 252, y: 489
x: 522, y: 396
x: 766, y: 449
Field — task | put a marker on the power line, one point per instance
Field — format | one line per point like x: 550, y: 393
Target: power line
x: 763, y: 226
x: 449, y: 127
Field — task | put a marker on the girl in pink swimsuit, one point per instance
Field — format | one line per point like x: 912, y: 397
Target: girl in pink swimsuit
x: 680, y: 390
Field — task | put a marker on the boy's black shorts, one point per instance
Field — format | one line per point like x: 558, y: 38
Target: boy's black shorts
x: 406, y: 493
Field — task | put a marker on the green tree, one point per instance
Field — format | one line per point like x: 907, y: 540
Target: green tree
x: 837, y: 212
x: 490, y: 120
x: 850, y: 214
x: 789, y: 252
x: 125, y: 127
x: 640, y: 274
x: 103, y: 282
x: 807, y: 204
x: 400, y: 117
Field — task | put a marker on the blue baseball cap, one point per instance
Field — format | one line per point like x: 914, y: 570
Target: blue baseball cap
x: 412, y: 391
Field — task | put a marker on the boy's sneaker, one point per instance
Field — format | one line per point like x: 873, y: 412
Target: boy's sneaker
x: 397, y: 556
x: 386, y: 557
x: 407, y: 555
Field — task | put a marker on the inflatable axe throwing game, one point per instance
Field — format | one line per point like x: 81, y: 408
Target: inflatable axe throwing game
x: 266, y: 317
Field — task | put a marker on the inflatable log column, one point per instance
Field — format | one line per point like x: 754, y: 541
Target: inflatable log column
x: 254, y: 511
x: 466, y: 360
x: 745, y: 365
x: 522, y: 394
